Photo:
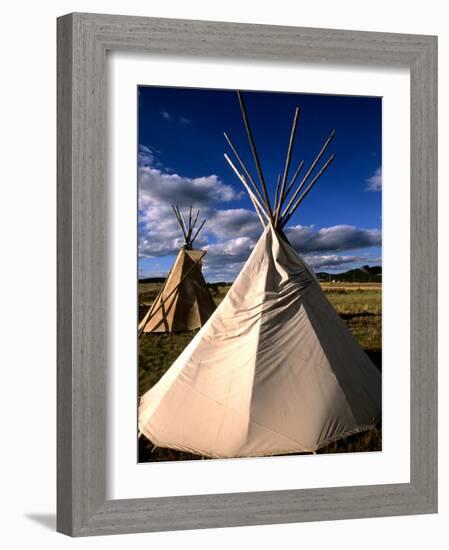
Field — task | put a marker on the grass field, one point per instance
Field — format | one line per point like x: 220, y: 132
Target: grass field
x: 358, y: 304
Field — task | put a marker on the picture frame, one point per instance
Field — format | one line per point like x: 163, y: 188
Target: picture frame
x: 83, y: 41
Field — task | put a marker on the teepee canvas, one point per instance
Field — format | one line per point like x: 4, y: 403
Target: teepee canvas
x: 274, y: 370
x: 184, y: 302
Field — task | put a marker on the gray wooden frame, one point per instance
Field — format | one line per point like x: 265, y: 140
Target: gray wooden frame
x: 83, y: 40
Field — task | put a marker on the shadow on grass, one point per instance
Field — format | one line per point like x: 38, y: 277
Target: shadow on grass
x: 149, y: 453
x: 349, y: 316
x: 376, y: 357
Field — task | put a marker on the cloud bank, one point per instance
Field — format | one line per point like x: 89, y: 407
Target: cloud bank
x: 306, y: 239
x: 230, y: 234
x: 158, y: 187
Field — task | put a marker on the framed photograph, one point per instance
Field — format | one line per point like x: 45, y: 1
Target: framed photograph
x: 247, y: 285
x: 265, y: 369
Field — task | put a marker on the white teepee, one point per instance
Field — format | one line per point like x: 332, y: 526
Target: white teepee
x: 274, y: 370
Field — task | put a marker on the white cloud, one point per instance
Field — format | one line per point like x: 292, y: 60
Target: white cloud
x: 159, y: 187
x: 224, y: 261
x: 226, y: 272
x: 336, y: 238
x: 235, y: 250
x: 169, y: 116
x: 160, y: 234
x: 374, y: 183
x: 146, y: 156
x: 333, y: 261
x: 237, y: 222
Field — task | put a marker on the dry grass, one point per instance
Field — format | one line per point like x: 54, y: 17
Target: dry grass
x: 360, y: 305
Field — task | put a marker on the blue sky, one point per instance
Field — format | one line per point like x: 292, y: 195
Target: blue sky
x: 181, y: 147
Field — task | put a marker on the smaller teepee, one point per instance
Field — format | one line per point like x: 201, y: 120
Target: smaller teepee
x: 184, y: 302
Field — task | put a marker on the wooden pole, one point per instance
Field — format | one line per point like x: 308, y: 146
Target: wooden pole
x: 276, y: 195
x: 256, y: 158
x: 184, y: 224
x: 190, y: 221
x: 196, y: 234
x: 176, y: 214
x: 288, y: 215
x: 287, y: 165
x: 248, y: 175
x: 256, y: 208
x: 291, y: 184
x: 179, y: 221
x: 253, y: 198
x: 195, y: 220
x: 294, y: 178
x: 309, y: 171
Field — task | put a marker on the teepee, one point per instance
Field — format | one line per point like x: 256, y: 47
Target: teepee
x: 274, y: 370
x: 184, y: 302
